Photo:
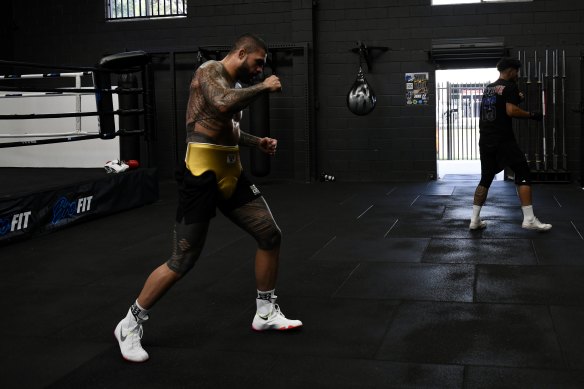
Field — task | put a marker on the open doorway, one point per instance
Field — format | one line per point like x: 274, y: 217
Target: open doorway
x: 459, y: 93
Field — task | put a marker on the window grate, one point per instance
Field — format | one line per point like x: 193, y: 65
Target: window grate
x: 457, y: 115
x: 145, y: 9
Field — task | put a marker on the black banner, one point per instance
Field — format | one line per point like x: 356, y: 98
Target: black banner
x: 48, y: 211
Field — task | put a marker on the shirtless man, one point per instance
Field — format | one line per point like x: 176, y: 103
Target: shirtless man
x: 211, y: 177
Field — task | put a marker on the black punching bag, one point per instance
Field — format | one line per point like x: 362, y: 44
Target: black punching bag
x: 129, y: 145
x: 259, y: 123
x: 361, y: 98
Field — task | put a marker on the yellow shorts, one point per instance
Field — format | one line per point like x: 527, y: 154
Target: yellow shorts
x: 224, y: 161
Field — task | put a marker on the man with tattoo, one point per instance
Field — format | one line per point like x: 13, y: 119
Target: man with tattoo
x: 498, y: 146
x: 211, y: 177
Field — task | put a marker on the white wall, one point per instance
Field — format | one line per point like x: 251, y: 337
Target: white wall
x: 85, y: 153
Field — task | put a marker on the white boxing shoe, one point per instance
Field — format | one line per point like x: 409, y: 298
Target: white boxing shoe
x: 477, y: 224
x: 535, y: 224
x: 129, y: 333
x: 274, y: 321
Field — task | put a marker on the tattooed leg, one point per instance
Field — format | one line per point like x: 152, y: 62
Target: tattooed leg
x: 480, y: 195
x: 188, y: 243
x: 256, y: 218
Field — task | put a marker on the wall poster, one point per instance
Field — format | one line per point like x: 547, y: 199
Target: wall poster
x: 416, y: 88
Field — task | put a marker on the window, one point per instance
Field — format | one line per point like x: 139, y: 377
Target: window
x: 144, y: 9
x: 442, y: 2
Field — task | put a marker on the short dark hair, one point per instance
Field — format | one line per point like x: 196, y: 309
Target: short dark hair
x: 250, y: 42
x: 506, y: 63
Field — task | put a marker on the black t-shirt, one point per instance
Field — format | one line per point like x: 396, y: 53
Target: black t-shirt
x: 495, y: 125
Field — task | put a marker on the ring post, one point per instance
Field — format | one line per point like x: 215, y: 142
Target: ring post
x: 129, y: 145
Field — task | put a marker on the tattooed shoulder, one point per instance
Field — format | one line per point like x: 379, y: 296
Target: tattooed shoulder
x: 213, y: 70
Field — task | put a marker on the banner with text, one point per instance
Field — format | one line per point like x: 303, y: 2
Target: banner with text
x: 44, y: 212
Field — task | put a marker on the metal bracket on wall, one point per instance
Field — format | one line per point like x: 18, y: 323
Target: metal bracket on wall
x: 216, y: 53
x: 581, y: 105
x: 581, y: 110
x: 366, y: 53
x: 459, y: 52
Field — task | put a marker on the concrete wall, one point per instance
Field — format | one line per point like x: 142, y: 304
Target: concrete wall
x: 394, y: 142
x: 397, y: 141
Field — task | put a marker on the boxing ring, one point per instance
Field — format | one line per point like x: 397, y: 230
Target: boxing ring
x: 28, y: 129
x: 58, y: 129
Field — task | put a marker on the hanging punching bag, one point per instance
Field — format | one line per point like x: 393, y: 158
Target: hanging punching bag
x: 259, y: 123
x: 361, y: 98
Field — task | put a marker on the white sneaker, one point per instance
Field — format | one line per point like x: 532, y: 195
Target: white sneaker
x: 274, y: 321
x: 477, y: 224
x: 129, y: 333
x: 535, y: 224
x: 115, y: 166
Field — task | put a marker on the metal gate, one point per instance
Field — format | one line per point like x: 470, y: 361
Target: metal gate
x: 457, y: 120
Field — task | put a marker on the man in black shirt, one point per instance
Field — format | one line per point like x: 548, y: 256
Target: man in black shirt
x: 498, y: 146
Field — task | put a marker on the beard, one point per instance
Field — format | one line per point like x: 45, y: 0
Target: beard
x: 245, y: 76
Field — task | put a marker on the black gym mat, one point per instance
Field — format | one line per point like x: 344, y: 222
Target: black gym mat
x: 393, y: 289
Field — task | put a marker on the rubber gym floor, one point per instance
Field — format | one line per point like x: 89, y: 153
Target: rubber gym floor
x: 393, y: 289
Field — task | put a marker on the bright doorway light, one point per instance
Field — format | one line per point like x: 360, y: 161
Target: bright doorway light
x: 461, y: 77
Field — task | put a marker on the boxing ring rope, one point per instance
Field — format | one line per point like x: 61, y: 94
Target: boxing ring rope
x: 123, y: 63
x: 70, y: 114
x: 39, y: 92
x: 85, y: 90
x: 46, y: 107
x: 42, y: 75
x: 46, y: 66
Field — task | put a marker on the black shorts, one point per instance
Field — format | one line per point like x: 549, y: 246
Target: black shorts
x: 506, y: 154
x: 199, y: 196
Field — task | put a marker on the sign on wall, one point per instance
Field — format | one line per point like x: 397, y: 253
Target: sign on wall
x: 416, y: 88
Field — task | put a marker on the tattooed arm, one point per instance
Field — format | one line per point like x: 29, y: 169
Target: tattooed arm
x: 221, y: 95
x: 267, y: 145
x: 245, y: 138
x: 249, y: 140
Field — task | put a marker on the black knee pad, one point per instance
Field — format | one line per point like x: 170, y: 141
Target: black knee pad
x: 522, y: 174
x: 182, y: 261
x: 486, y: 180
x: 188, y: 243
x: 522, y: 180
x: 270, y: 239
